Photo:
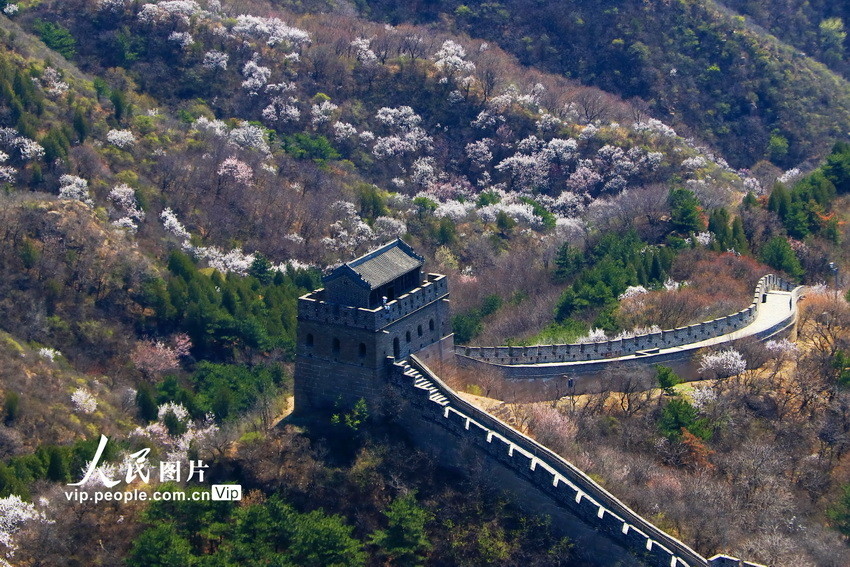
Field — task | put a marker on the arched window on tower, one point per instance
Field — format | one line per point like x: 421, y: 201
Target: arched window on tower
x: 407, y: 336
x: 431, y: 325
x: 396, y: 348
x: 309, y: 340
x: 419, y: 330
x: 361, y: 351
x: 336, y: 345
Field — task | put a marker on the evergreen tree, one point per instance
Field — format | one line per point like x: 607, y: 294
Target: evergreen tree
x: 160, y: 546
x: 404, y: 541
x: 684, y: 211
x: 666, y: 378
x: 778, y: 254
x: 779, y: 201
x: 718, y: 223
x: 739, y: 238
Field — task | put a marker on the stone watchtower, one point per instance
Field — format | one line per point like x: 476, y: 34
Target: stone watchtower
x: 373, y: 309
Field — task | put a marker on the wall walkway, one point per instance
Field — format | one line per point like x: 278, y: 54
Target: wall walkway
x: 568, y: 487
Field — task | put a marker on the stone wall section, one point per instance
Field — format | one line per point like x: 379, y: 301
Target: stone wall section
x: 577, y: 352
x: 431, y: 400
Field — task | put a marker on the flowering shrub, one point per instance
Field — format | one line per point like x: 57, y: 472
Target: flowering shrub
x: 121, y: 138
x: 238, y: 170
x: 73, y: 187
x: 83, y: 401
x: 450, y: 59
x: 215, y: 60
x: 728, y: 362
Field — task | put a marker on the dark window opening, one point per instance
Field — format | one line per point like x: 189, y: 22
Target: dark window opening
x: 431, y: 324
x: 407, y: 336
x: 396, y: 348
x: 309, y: 340
x: 362, y: 350
x: 419, y: 330
x: 336, y: 345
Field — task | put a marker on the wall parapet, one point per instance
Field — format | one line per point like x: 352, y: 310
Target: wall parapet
x: 313, y: 307
x: 614, y: 348
x: 549, y: 472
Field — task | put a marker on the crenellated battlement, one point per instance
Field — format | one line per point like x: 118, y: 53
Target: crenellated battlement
x: 614, y: 348
x: 314, y: 307
x: 433, y: 401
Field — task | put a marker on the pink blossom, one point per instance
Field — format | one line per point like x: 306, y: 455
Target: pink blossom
x: 238, y: 170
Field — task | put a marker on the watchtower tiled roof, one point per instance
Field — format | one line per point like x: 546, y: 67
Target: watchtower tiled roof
x: 380, y: 266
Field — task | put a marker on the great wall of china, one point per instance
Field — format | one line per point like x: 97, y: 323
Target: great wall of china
x: 380, y: 331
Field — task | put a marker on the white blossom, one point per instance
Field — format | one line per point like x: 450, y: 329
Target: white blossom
x: 703, y: 396
x: 633, y: 291
x: 548, y: 123
x: 479, y: 152
x: 321, y: 113
x: 174, y: 226
x: 169, y: 11
x: 594, y: 336
x: 110, y: 5
x: 11, y: 9
x: 454, y: 210
x: 121, y: 138
x: 248, y: 136
x: 790, y: 176
x: 124, y: 197
x: 362, y: 51
x: 126, y: 223
x: 728, y: 362
x: 343, y: 130
x: 654, y: 127
x: 388, y: 227
x: 279, y: 110
x: 751, y: 184
x: 782, y: 348
x: 274, y: 30
x: 216, y: 127
x: 52, y: 82
x: 450, y: 59
x: 704, y: 238
x: 423, y: 171
x: 183, y: 39
x: 7, y: 174
x: 73, y: 187
x: 48, y: 353
x: 256, y: 77
x: 402, y: 117
x: 29, y: 149
x: 177, y: 410
x: 695, y: 162
x: 83, y: 401
x: 14, y: 512
x: 215, y: 60
x: 236, y: 169
x: 588, y: 132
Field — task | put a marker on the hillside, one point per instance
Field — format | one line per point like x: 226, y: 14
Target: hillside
x: 693, y: 64
x: 175, y: 174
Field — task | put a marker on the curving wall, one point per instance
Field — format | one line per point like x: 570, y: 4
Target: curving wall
x: 561, y: 482
x: 578, y: 352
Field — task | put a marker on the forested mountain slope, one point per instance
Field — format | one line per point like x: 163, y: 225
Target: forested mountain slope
x: 174, y: 174
x: 817, y: 27
x: 690, y: 62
